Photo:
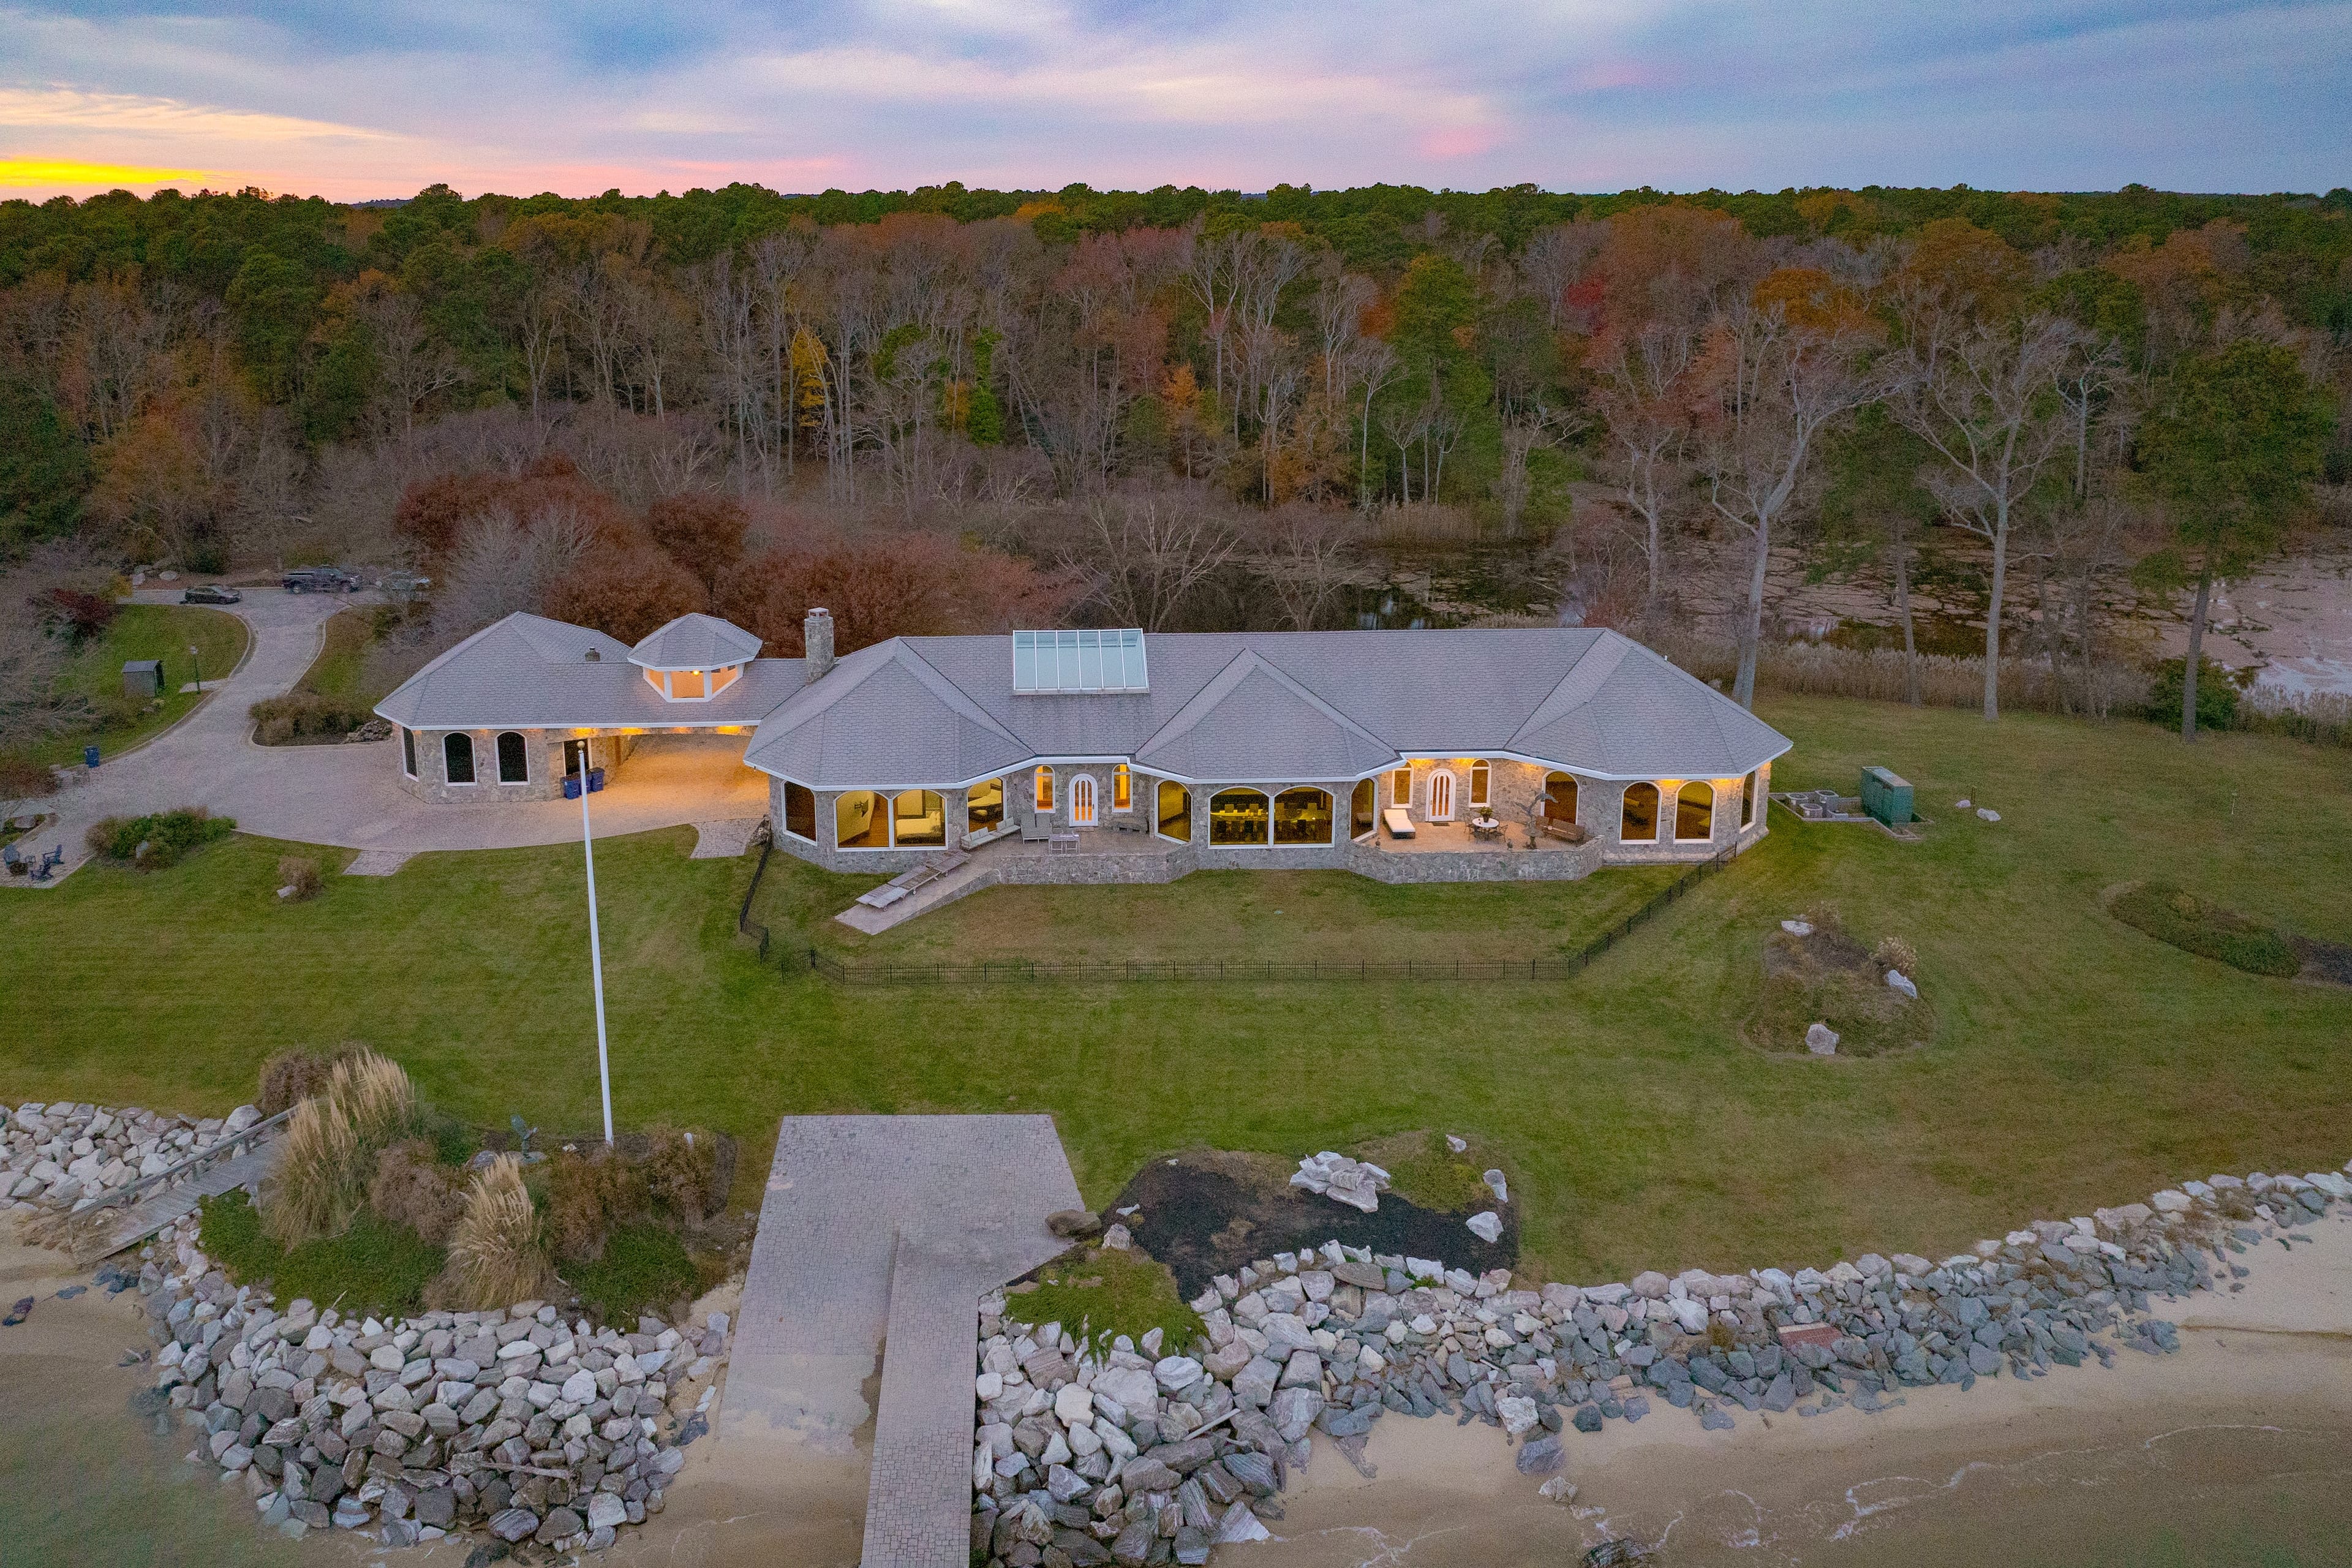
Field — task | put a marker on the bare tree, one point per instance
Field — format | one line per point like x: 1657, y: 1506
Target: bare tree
x: 412, y: 365
x: 504, y: 563
x: 1985, y: 397
x: 1306, y: 562
x: 1147, y: 556
x: 1643, y: 391
x: 1776, y: 386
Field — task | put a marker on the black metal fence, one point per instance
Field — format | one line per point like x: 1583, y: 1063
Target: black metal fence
x: 744, y: 924
x: 1015, y: 972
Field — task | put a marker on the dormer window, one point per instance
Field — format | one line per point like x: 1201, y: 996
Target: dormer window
x: 693, y: 685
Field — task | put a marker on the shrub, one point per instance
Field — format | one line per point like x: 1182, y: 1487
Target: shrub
x: 2217, y: 689
x: 1106, y: 1292
x: 301, y: 873
x: 1893, y: 952
x: 681, y: 1173
x: 412, y: 1188
x: 151, y: 843
x: 299, y: 715
x: 496, y: 1257
x: 22, y: 778
x: 296, y: 1074
x: 641, y: 1268
x: 2172, y: 915
x: 329, y: 1153
x: 587, y: 1197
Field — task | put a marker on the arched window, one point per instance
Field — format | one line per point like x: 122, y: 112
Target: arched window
x: 458, y: 757
x: 1302, y: 815
x: 1641, y: 824
x: 1748, y: 800
x: 1560, y: 799
x: 1694, y: 812
x: 919, y: 820
x: 514, y: 759
x: 861, y: 820
x: 1237, y: 817
x: 1441, y: 795
x: 983, y: 808
x: 1082, y: 800
x: 1362, y: 813
x: 799, y: 811
x: 1482, y: 779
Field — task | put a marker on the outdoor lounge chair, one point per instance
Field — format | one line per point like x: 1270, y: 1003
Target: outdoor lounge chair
x: 1398, y: 821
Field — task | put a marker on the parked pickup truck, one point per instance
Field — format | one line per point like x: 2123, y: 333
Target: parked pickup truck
x: 320, y: 580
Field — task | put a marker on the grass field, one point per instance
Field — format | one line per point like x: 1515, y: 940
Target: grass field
x: 339, y: 671
x: 143, y: 631
x: 2075, y: 1061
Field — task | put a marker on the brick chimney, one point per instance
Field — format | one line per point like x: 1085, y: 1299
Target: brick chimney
x: 816, y: 643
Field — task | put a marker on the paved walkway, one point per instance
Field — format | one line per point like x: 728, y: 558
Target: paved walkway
x: 894, y: 1226
x: 348, y: 796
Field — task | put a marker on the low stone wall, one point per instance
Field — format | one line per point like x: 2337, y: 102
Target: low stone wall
x: 1140, y: 1452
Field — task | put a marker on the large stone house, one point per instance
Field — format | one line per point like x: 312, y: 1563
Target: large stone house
x: 1116, y: 755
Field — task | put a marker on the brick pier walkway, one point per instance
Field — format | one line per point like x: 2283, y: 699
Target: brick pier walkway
x: 895, y: 1224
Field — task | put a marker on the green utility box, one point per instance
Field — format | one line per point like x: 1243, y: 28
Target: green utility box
x: 1887, y: 796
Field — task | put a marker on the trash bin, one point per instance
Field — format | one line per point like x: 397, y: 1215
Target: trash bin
x: 90, y: 756
x: 596, y: 780
x: 572, y: 788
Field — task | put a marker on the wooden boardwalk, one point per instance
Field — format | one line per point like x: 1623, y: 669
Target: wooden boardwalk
x: 91, y: 1236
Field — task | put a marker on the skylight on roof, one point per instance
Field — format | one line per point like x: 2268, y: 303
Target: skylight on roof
x: 1079, y: 661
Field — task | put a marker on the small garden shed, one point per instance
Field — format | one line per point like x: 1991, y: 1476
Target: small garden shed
x: 142, y: 677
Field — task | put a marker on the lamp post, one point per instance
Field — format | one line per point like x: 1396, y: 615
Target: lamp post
x: 595, y: 954
x: 195, y: 664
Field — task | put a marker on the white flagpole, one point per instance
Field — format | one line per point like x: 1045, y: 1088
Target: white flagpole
x: 595, y: 950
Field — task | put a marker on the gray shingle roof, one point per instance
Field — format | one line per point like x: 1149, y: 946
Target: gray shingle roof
x: 529, y: 672
x: 695, y: 641
x: 1268, y: 707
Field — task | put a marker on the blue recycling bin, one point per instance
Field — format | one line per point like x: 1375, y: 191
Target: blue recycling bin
x: 596, y: 780
x: 571, y: 787
x: 90, y: 756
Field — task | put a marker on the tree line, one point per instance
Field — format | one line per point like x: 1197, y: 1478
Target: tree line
x: 1133, y: 391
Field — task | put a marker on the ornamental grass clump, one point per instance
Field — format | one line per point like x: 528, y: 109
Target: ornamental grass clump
x: 329, y: 1153
x: 496, y: 1254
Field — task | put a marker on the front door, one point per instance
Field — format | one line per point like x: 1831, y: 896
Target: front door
x: 1440, y: 796
x: 575, y: 758
x: 1082, y: 801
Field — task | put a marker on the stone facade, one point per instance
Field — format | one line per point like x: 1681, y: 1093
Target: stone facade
x: 542, y: 759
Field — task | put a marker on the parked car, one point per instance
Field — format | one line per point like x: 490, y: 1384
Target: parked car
x: 320, y: 580
x: 211, y: 593
x: 403, y: 587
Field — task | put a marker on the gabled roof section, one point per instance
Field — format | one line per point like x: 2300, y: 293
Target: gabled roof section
x: 883, y: 719
x: 695, y: 641
x: 1253, y: 723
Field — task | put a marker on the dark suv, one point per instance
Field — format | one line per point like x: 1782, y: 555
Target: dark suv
x: 320, y: 580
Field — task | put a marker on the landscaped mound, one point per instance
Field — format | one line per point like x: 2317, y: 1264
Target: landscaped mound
x: 1208, y: 1212
x: 2200, y: 926
x: 1822, y: 973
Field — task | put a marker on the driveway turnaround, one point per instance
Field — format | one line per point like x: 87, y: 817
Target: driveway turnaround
x: 878, y: 1238
x: 347, y: 795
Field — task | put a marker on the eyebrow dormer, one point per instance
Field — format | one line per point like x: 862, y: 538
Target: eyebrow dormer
x: 694, y: 658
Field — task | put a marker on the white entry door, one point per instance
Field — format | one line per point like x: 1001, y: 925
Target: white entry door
x: 1082, y: 801
x: 1440, y: 796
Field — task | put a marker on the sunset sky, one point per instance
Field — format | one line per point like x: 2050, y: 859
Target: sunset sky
x: 361, y: 98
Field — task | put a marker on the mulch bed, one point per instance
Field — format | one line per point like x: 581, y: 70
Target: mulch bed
x: 1205, y: 1213
x: 2329, y: 962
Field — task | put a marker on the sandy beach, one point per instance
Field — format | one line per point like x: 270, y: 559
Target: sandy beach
x: 2239, y: 1448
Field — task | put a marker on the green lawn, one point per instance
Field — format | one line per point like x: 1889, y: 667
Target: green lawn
x: 1280, y: 917
x: 143, y: 631
x: 2077, y: 1061
x: 339, y: 671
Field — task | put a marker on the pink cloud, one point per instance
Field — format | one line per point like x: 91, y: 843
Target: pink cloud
x: 1459, y: 141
